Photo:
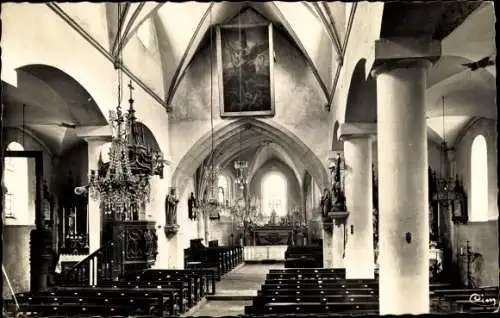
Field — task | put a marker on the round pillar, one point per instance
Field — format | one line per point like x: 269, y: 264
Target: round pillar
x: 403, y: 188
x: 360, y: 256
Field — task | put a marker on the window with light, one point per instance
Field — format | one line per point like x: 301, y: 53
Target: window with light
x: 274, y: 194
x: 16, y: 182
x: 479, y: 180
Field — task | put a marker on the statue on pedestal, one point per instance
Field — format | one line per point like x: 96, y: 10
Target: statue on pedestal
x: 192, y: 206
x: 171, y: 202
x: 326, y: 202
x: 338, y: 198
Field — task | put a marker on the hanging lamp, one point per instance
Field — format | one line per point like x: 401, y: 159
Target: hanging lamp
x: 123, y: 184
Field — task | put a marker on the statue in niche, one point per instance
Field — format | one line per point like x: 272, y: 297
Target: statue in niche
x: 326, y: 202
x: 338, y: 196
x: 192, y: 206
x: 171, y: 208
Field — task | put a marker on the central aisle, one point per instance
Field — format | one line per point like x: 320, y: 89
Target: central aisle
x: 234, y: 291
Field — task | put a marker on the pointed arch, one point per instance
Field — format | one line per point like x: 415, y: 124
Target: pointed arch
x: 261, y: 129
x: 479, y: 180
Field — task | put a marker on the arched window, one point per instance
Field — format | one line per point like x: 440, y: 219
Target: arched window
x: 16, y: 182
x: 274, y: 194
x: 223, y: 189
x: 479, y: 180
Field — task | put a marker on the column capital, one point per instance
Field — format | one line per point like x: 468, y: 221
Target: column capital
x: 357, y: 130
x: 403, y: 52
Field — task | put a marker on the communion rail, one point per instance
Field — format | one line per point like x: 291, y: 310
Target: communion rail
x: 105, y: 264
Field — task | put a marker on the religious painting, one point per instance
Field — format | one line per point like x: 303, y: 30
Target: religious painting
x: 245, y: 68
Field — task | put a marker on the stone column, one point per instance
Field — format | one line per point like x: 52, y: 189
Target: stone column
x: 360, y: 255
x: 338, y: 245
x: 327, y: 248
x: 401, y: 67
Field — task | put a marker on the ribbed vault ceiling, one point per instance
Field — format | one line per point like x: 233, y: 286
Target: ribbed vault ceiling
x: 177, y: 30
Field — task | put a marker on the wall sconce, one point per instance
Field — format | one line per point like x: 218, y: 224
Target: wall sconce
x: 408, y: 237
x: 352, y: 229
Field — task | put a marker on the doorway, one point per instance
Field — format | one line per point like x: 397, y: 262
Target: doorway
x: 23, y: 213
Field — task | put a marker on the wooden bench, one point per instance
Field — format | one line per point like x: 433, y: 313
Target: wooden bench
x: 314, y: 308
x: 167, y: 297
x: 183, y: 296
x: 271, y: 290
x: 304, y: 256
x: 259, y: 300
x: 223, y: 258
x: 203, y: 279
x: 97, y: 301
x: 320, y: 283
x: 459, y: 299
x: 339, y: 271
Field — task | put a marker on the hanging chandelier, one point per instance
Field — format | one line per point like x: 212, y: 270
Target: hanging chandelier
x: 241, y: 167
x: 447, y: 188
x: 123, y: 184
x: 210, y: 202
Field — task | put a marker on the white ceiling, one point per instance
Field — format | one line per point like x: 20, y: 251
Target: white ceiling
x: 166, y: 36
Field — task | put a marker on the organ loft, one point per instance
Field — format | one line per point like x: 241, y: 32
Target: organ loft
x: 249, y: 159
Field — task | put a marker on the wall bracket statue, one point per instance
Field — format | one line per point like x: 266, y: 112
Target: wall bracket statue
x: 171, y: 227
x: 333, y: 202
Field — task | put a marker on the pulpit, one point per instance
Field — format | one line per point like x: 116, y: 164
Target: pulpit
x: 138, y: 244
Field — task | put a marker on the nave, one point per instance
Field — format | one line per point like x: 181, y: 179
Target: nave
x: 165, y: 159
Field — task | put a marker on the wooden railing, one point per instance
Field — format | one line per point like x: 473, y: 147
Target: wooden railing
x: 105, y: 264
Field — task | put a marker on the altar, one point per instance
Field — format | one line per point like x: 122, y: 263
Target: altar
x: 270, y: 235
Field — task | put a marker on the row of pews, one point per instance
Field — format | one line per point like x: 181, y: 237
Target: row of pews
x: 150, y: 293
x: 318, y: 291
x: 153, y: 293
x: 465, y: 300
x: 314, y: 291
x: 310, y: 256
x: 221, y: 258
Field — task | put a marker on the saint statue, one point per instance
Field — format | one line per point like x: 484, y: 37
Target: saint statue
x: 192, y: 206
x: 326, y: 202
x: 338, y: 193
x: 171, y: 208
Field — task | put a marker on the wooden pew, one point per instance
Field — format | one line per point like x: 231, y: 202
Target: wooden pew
x: 204, y: 278
x: 90, y: 300
x: 304, y: 271
x: 358, y: 283
x: 182, y: 299
x: 168, y: 297
x: 271, y: 290
x: 223, y: 258
x: 314, y: 308
x: 260, y: 300
x: 192, y: 282
x: 464, y: 300
x: 304, y: 256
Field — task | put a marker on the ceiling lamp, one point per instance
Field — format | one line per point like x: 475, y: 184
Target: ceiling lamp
x: 210, y: 202
x: 446, y: 190
x: 241, y: 167
x: 122, y: 184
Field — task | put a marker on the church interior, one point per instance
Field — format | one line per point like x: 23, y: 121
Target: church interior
x: 249, y: 159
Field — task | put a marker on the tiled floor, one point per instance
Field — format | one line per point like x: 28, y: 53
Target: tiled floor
x: 235, y: 290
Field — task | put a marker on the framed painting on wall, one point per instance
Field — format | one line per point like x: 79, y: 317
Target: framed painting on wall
x: 245, y: 62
